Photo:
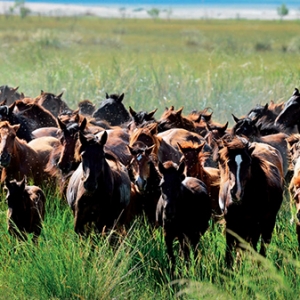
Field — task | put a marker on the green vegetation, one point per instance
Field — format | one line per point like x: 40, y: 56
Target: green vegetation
x: 282, y: 10
x: 229, y: 66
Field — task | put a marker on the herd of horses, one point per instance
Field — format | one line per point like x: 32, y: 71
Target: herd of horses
x: 182, y: 172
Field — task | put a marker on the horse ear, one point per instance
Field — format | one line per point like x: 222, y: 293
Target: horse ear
x: 42, y: 92
x: 224, y: 127
x: 106, y: 96
x: 200, y: 147
x: 11, y: 108
x: 103, y: 138
x: 235, y: 118
x: 151, y: 114
x: 266, y: 107
x: 198, y: 118
x: 161, y: 167
x: 131, y: 111
x: 148, y: 150
x: 23, y: 182
x: 296, y: 92
x: 60, y: 95
x: 180, y: 147
x: 179, y: 111
x: 14, y: 89
x: 83, y: 124
x: 16, y: 127
x: 61, y: 124
x: 121, y: 97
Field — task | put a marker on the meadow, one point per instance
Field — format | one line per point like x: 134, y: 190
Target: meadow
x: 229, y: 66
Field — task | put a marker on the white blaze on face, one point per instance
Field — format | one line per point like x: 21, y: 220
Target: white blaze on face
x: 238, y: 160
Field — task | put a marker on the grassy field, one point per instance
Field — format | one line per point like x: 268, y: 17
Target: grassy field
x: 229, y: 66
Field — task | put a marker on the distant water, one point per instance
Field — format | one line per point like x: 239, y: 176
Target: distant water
x: 181, y: 3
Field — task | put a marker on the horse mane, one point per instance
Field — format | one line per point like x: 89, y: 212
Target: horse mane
x: 271, y: 172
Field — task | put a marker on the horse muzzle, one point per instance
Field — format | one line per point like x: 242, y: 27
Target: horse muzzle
x: 141, y: 184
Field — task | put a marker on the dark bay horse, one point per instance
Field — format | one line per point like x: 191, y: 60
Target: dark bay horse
x: 247, y: 127
x: 183, y: 210
x: 26, y: 209
x: 290, y: 115
x: 251, y: 192
x: 112, y: 110
x: 99, y: 189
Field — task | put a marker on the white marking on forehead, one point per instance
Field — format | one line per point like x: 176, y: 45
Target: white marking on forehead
x: 238, y: 160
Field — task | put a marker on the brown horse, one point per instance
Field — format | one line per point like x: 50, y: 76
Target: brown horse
x: 183, y: 209
x: 149, y: 137
x: 294, y: 189
x: 26, y: 209
x: 51, y: 102
x: 17, y: 158
x: 172, y: 118
x: 99, y: 189
x: 251, y: 192
x: 143, y: 170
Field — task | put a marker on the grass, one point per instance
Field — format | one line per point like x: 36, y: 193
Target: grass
x: 228, y: 65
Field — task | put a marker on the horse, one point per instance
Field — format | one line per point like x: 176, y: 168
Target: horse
x: 247, y: 127
x: 177, y: 136
x: 17, y: 158
x: 112, y: 110
x: 99, y: 189
x: 140, y: 118
x: 7, y: 114
x: 172, y: 118
x: 9, y: 94
x: 143, y: 170
x: 289, y: 116
x: 85, y: 108
x: 38, y: 115
x: 26, y: 209
x: 294, y: 189
x: 183, y: 209
x: 195, y: 159
x: 148, y: 135
x: 251, y: 192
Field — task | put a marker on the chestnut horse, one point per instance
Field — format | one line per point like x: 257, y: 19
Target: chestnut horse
x: 17, y: 158
x: 251, y: 192
x: 99, y: 189
x: 195, y: 167
x: 149, y: 137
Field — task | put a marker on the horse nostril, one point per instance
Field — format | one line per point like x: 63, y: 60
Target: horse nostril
x: 298, y: 215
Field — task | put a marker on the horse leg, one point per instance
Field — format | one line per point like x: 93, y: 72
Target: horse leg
x: 230, y: 241
x: 169, y: 238
x: 266, y: 233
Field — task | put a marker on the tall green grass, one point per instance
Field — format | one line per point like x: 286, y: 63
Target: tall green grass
x: 229, y: 66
